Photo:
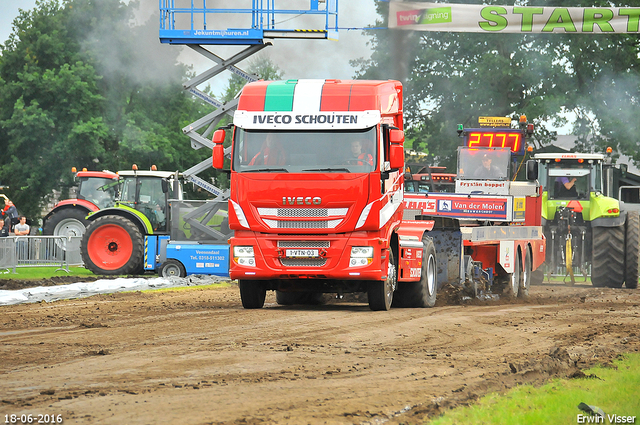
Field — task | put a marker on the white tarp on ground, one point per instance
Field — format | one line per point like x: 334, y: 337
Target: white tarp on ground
x: 106, y: 286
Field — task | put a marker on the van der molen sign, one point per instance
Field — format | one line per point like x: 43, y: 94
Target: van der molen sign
x: 513, y: 19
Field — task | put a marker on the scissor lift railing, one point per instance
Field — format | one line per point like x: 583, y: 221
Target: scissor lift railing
x: 193, y: 23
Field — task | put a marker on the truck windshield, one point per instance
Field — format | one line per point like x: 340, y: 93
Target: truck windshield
x: 305, y: 151
x: 483, y: 164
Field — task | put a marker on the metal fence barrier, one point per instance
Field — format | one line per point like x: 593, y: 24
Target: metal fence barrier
x: 40, y: 251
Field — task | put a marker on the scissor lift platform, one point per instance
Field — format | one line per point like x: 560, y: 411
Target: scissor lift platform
x: 194, y: 22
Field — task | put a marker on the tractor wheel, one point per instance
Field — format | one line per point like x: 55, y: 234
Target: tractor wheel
x: 423, y: 292
x: 172, y: 268
x: 632, y: 253
x: 66, y: 222
x: 527, y: 275
x: 514, y: 280
x: 252, y: 293
x: 113, y: 245
x: 380, y: 292
x: 607, y: 264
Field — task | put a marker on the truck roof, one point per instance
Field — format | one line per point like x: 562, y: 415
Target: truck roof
x: 322, y: 95
x: 103, y: 174
x: 569, y: 155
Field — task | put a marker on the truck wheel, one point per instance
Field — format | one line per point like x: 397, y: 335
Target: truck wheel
x: 112, y: 245
x: 252, y: 293
x: 527, y: 275
x: 66, y: 222
x: 607, y: 264
x: 172, y: 268
x: 380, y: 292
x: 423, y: 292
x: 632, y: 253
x: 514, y: 281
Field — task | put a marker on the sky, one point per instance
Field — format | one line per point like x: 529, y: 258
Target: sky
x: 296, y: 58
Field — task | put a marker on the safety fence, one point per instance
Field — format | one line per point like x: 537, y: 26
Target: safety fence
x: 39, y: 251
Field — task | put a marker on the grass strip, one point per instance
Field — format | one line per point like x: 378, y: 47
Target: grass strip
x: 612, y: 389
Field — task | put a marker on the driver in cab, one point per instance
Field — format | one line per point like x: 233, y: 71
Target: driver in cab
x: 358, y: 157
x: 486, y: 170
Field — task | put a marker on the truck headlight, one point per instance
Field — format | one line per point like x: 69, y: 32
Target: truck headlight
x: 361, y: 256
x: 244, y: 256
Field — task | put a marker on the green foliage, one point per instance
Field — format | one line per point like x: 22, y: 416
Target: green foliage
x: 613, y: 389
x: 80, y: 86
x: 453, y: 78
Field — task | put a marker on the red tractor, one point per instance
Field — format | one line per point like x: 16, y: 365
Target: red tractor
x: 96, y: 190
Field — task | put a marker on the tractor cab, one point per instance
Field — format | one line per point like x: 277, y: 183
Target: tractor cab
x: 149, y: 192
x: 567, y: 176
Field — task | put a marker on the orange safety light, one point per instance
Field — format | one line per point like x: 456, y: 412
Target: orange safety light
x: 523, y: 118
x: 581, y: 160
x: 84, y: 169
x: 154, y: 168
x: 74, y: 170
x: 609, y: 150
x: 529, y: 148
x: 134, y: 167
x: 557, y: 159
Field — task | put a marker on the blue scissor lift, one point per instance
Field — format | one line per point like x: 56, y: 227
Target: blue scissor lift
x: 197, y: 24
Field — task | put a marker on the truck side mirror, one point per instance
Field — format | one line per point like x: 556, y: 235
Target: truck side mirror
x: 532, y: 170
x: 165, y: 186
x: 218, y: 150
x: 396, y: 149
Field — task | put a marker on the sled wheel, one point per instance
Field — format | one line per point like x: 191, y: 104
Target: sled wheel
x: 632, y: 253
x: 380, y: 292
x: 252, y: 293
x: 527, y: 275
x: 423, y: 292
x: 112, y: 245
x: 514, y: 279
x: 607, y: 265
x: 172, y: 268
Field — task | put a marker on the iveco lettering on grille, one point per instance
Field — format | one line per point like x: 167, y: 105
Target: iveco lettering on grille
x: 287, y: 200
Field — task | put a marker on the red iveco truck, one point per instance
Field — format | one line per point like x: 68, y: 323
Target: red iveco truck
x: 316, y: 198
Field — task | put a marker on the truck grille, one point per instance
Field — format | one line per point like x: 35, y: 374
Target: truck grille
x: 303, y: 212
x: 303, y: 262
x: 298, y: 224
x: 303, y: 244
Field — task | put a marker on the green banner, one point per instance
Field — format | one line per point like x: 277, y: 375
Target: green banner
x: 417, y: 16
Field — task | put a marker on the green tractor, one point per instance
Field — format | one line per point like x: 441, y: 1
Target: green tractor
x: 114, y: 241
x: 586, y: 230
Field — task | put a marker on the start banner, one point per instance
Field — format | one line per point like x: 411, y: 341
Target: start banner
x: 512, y: 19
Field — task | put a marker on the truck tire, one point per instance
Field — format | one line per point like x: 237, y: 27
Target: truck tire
x: 66, y: 222
x: 113, y: 245
x: 380, y: 292
x: 527, y: 275
x: 172, y: 268
x: 632, y: 253
x: 423, y: 292
x: 607, y: 264
x: 252, y: 293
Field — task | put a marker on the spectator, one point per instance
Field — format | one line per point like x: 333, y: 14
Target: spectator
x: 10, y: 211
x: 4, y: 229
x: 22, y: 228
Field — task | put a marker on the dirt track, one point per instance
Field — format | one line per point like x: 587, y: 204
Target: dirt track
x: 196, y: 356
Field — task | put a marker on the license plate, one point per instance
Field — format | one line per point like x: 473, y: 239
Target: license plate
x: 301, y: 253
